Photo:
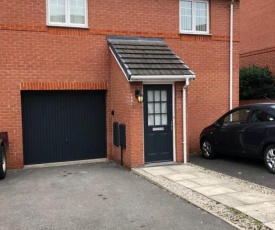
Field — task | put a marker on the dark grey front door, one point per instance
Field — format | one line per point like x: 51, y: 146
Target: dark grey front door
x: 158, y: 123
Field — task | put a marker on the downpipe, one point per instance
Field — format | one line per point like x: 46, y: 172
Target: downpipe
x: 184, y: 120
x: 231, y: 55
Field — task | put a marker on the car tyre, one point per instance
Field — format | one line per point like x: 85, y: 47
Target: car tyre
x: 3, y: 163
x: 207, y: 149
x: 269, y: 158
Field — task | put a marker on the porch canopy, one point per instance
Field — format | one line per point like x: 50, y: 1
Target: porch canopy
x: 148, y: 59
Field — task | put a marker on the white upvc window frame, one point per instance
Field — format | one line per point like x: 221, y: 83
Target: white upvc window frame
x: 67, y: 22
x: 194, y: 31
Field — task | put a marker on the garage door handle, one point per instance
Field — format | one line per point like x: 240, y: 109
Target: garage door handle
x: 66, y: 140
x: 241, y: 131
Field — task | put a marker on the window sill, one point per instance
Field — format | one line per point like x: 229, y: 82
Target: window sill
x: 194, y: 33
x: 68, y: 26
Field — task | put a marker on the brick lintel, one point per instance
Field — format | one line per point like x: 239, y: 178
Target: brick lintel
x: 99, y: 85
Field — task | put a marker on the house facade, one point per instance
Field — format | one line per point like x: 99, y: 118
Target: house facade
x: 72, y: 72
x: 257, y: 45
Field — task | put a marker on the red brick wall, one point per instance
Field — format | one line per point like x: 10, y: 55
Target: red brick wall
x: 35, y: 56
x: 257, y: 33
x: 247, y: 102
x: 121, y: 100
x: 179, y: 121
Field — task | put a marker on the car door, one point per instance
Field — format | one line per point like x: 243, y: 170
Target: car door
x: 255, y: 133
x: 230, y: 135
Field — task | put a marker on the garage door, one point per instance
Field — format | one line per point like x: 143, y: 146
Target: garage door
x: 63, y: 125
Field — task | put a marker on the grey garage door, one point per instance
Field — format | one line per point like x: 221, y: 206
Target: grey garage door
x: 63, y: 125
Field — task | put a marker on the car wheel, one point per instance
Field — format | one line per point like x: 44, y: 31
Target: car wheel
x: 207, y: 149
x: 269, y: 158
x: 3, y: 163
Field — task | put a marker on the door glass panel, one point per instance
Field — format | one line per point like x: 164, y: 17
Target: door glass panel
x: 163, y: 95
x: 163, y: 107
x: 150, y: 95
x: 150, y: 108
x: 164, y: 119
x: 151, y: 120
x: 157, y: 119
x: 157, y: 95
x: 157, y: 107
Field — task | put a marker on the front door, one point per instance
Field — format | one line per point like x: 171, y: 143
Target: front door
x: 158, y: 123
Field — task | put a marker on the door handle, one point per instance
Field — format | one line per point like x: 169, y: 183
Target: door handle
x: 66, y: 140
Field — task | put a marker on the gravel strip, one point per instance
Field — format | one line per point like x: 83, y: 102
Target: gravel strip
x: 230, y: 215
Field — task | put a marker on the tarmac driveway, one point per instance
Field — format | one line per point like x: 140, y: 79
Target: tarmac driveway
x: 93, y: 196
x: 243, y: 168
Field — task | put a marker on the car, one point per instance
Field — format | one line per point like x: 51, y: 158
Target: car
x: 246, y: 131
x: 4, y: 143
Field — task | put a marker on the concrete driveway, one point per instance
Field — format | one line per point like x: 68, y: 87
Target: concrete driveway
x: 94, y: 196
x: 243, y: 168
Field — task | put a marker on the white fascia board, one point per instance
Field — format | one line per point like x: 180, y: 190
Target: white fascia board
x: 162, y: 77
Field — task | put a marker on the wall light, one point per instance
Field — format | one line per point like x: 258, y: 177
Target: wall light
x: 139, y: 96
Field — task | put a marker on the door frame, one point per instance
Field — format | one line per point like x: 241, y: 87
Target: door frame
x: 173, y: 116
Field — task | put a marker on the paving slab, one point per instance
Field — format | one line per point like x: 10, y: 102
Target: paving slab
x: 253, y: 197
x: 213, y: 190
x: 207, y: 180
x: 271, y: 225
x: 180, y: 176
x: 228, y: 200
x: 189, y: 183
x: 159, y: 171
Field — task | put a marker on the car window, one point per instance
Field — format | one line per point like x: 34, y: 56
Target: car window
x: 260, y: 116
x: 271, y: 110
x: 236, y: 117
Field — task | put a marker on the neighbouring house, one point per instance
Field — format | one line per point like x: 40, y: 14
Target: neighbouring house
x: 257, y: 46
x: 74, y: 74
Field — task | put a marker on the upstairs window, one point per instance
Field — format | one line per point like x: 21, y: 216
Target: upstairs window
x: 71, y: 13
x: 194, y: 16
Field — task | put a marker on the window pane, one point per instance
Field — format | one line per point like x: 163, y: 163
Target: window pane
x: 73, y: 2
x: 164, y: 119
x: 157, y: 107
x: 150, y: 120
x: 163, y: 95
x: 150, y: 108
x: 157, y: 119
x: 77, y: 12
x: 157, y: 95
x: 57, y: 11
x: 150, y: 95
x: 186, y: 15
x: 163, y: 107
x: 201, y: 16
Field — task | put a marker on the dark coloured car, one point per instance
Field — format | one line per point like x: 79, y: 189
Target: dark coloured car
x: 4, y: 143
x: 247, y: 131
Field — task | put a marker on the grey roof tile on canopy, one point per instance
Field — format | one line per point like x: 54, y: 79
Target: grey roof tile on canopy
x: 148, y: 58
